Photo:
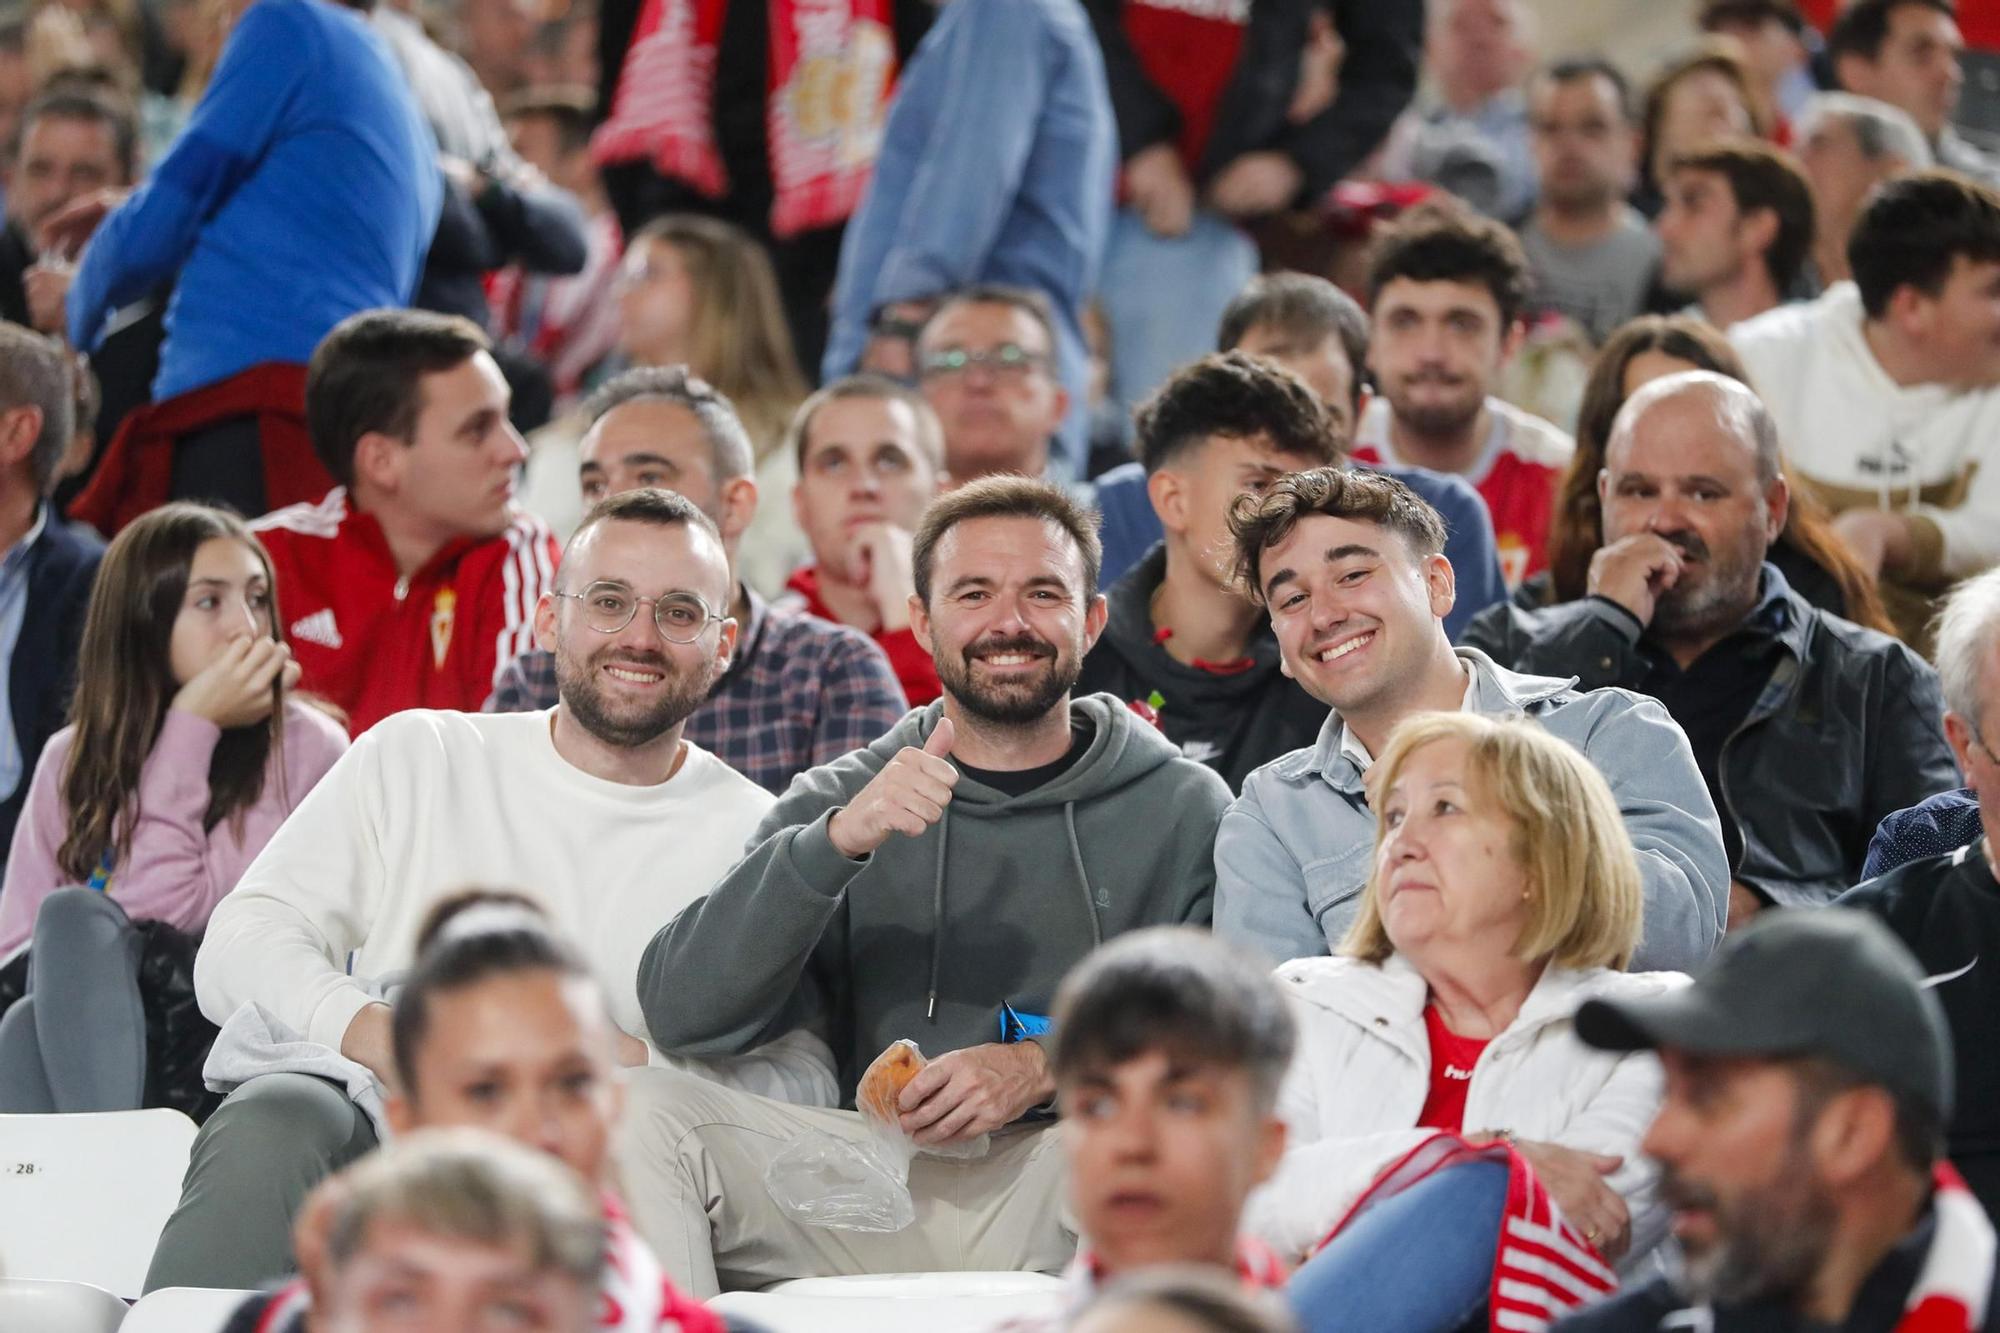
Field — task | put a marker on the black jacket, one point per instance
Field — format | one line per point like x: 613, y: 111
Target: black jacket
x: 1849, y: 728
x: 1947, y: 910
x: 1384, y: 41
x: 1233, y: 722
x: 42, y: 672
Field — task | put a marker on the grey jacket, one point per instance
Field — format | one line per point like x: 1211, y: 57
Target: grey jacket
x: 927, y: 937
x: 1295, y: 849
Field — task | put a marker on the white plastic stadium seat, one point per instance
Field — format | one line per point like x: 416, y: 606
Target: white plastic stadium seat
x: 83, y: 1196
x: 183, y: 1310
x: 896, y: 1302
x: 58, y: 1307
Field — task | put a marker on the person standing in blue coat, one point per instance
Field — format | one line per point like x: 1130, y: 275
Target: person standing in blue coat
x: 304, y: 189
x: 998, y: 165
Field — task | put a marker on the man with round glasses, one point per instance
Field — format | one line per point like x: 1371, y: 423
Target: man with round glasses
x: 799, y: 690
x: 599, y: 808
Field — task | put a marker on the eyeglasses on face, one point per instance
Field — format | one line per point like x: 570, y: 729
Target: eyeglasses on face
x: 1008, y: 359
x: 609, y: 607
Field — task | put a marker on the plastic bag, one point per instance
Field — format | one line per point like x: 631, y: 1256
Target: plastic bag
x: 849, y: 1184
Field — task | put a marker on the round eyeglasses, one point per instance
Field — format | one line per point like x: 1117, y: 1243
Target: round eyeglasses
x: 609, y: 607
x: 1009, y: 359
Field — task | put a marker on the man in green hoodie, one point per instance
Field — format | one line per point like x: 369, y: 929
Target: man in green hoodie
x: 935, y: 886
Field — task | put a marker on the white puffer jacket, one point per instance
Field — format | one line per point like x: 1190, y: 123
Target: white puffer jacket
x: 1362, y: 1073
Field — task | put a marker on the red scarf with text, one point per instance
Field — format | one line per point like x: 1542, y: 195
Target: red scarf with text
x: 831, y: 66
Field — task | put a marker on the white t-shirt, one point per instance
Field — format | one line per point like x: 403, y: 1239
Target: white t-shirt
x: 428, y: 803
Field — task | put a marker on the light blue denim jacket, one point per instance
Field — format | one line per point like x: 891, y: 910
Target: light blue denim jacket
x: 1294, y: 850
x: 998, y: 164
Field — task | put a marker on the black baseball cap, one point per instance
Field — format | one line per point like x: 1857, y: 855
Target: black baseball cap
x: 1805, y: 981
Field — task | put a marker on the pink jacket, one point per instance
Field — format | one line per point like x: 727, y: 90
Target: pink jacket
x: 175, y: 872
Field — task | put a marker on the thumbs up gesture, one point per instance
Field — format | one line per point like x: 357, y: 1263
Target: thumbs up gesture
x: 907, y: 796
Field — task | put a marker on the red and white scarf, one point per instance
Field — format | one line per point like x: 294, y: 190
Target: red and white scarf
x: 1542, y: 1268
x: 831, y: 66
x: 1949, y: 1295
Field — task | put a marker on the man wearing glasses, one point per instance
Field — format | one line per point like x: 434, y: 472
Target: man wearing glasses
x: 799, y: 691
x: 599, y: 808
x: 986, y: 361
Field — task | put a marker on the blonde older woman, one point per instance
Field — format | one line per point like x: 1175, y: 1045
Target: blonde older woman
x: 1504, y: 893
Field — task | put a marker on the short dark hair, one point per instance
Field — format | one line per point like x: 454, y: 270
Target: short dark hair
x: 729, y: 448
x: 1259, y: 522
x: 1575, y: 69
x: 367, y: 376
x: 1033, y: 303
x: 95, y: 106
x: 1236, y: 395
x: 572, y: 110
x: 930, y: 431
x: 1762, y: 176
x: 1913, y: 231
x: 645, y: 504
x: 1863, y: 27
x: 1173, y: 988
x: 1302, y: 306
x: 36, y: 372
x: 1444, y: 241
x: 517, y: 937
x: 1920, y: 1135
x: 1715, y: 13
x: 1005, y: 497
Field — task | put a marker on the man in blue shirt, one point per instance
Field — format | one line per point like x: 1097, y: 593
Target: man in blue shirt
x: 1316, y: 331
x: 304, y: 189
x: 46, y: 567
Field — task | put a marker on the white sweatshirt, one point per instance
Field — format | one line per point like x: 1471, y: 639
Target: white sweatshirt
x: 1865, y: 440
x: 427, y: 803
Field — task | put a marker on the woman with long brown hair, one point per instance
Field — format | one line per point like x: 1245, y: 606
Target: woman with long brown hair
x: 1811, y: 558
x: 184, y: 754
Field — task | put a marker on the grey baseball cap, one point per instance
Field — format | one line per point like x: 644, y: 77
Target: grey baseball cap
x: 1805, y: 981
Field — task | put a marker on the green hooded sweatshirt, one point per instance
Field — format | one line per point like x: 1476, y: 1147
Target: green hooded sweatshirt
x: 927, y: 937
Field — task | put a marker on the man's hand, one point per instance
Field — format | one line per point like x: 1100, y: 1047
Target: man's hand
x: 907, y: 797
x: 884, y: 551
x: 46, y: 285
x: 1633, y: 571
x: 72, y: 225
x: 1576, y: 1181
x: 1256, y: 184
x: 1876, y: 538
x: 235, y: 689
x: 1744, y: 904
x: 1159, y: 188
x: 963, y: 1094
x: 367, y: 1042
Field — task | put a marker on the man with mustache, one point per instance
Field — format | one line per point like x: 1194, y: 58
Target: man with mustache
x: 1808, y: 1080
x: 799, y: 690
x: 1446, y: 291
x: 600, y: 809
x: 936, y: 887
x: 1809, y: 729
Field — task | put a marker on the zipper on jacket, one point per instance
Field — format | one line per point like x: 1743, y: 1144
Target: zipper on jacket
x: 1755, y: 719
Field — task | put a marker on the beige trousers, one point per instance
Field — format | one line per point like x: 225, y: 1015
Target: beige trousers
x: 691, y: 1156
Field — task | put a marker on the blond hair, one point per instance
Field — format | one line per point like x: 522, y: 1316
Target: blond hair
x: 1584, y: 896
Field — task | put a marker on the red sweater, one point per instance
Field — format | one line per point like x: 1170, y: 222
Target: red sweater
x: 907, y: 658
x: 375, y: 643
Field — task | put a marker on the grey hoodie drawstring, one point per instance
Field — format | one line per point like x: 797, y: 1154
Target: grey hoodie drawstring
x: 937, y: 913
x: 1082, y: 876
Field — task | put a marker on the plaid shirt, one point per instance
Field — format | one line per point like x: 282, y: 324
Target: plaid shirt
x: 800, y: 693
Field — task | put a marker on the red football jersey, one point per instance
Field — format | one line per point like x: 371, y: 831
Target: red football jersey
x: 373, y: 642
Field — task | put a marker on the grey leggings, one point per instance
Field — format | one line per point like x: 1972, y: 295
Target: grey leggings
x: 77, y: 1040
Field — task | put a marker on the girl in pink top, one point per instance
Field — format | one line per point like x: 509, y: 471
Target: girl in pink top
x: 184, y: 753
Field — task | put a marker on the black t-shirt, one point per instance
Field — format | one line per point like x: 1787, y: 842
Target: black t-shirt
x: 1021, y: 781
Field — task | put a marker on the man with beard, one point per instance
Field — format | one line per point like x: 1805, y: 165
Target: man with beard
x: 1446, y: 290
x: 1809, y: 729
x: 1808, y: 1078
x: 1591, y: 251
x: 936, y: 887
x: 799, y: 691
x: 599, y: 809
x: 1349, y: 566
